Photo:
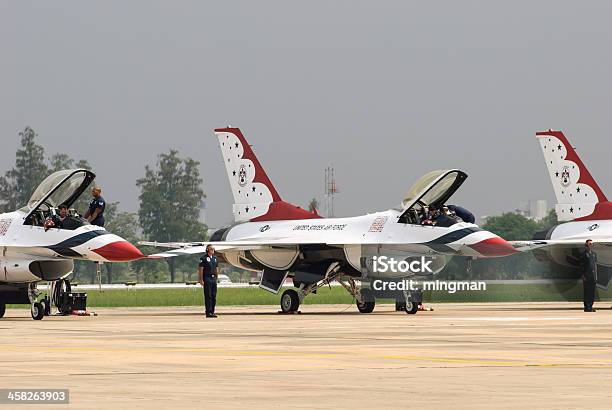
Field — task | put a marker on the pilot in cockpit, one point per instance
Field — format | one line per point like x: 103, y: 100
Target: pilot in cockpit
x: 430, y: 216
x: 57, y: 221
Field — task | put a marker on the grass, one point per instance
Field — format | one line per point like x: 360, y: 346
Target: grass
x: 195, y: 297
x: 334, y: 295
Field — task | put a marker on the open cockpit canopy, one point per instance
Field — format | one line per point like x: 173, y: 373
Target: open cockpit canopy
x: 61, y: 187
x: 432, y: 190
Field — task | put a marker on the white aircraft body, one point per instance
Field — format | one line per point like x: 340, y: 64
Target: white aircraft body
x: 580, y: 201
x: 31, y: 252
x: 283, y: 240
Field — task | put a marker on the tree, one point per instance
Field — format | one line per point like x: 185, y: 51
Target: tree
x: 58, y: 162
x: 149, y: 271
x: 313, y: 205
x: 18, y: 184
x: 511, y: 226
x: 548, y: 221
x: 170, y: 198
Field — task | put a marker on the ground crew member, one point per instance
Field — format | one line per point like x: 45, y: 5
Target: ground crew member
x: 95, y: 213
x: 208, y: 271
x: 589, y: 277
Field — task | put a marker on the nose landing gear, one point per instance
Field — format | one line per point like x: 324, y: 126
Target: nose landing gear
x: 37, y: 309
x: 367, y: 302
x: 411, y: 307
x: 290, y: 301
x: 59, y: 296
x: 412, y: 302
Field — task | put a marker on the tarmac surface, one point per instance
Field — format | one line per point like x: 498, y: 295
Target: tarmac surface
x: 494, y: 355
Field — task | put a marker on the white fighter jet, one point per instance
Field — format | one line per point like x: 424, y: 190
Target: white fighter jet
x: 581, y: 202
x: 33, y: 251
x: 283, y: 240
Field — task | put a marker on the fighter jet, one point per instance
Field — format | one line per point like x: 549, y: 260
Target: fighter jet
x: 284, y: 241
x: 34, y: 251
x: 581, y: 204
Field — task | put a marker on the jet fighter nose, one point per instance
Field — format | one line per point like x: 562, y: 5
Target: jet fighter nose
x: 119, y: 251
x: 495, y: 246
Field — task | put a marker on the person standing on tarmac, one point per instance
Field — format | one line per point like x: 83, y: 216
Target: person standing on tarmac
x: 589, y: 277
x: 208, y: 271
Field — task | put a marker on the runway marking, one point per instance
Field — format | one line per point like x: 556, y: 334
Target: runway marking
x: 166, y: 350
x: 481, y: 362
x: 509, y: 319
x: 499, y: 362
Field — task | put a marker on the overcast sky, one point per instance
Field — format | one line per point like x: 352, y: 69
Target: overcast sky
x: 385, y: 91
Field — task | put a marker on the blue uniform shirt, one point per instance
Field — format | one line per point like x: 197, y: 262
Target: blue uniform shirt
x: 590, y: 265
x: 97, y: 203
x: 209, y: 264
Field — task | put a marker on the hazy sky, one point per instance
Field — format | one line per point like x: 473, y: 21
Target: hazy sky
x: 385, y: 91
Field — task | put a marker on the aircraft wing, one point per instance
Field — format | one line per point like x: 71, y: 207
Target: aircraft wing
x: 526, y: 246
x: 193, y: 248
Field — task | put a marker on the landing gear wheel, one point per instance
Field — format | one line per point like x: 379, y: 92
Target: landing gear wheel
x: 400, y: 306
x: 46, y: 304
x: 290, y: 301
x: 2, y: 309
x: 368, y: 301
x: 38, y: 311
x: 411, y: 307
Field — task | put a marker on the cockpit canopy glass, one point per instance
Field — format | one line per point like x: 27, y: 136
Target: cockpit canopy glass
x: 417, y: 188
x: 61, y: 187
x: 431, y: 191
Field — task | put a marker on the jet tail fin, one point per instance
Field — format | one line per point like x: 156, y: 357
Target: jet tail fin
x: 577, y: 193
x: 255, y: 197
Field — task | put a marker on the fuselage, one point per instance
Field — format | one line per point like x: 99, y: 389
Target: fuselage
x: 580, y: 231
x: 29, y: 253
x: 355, y: 241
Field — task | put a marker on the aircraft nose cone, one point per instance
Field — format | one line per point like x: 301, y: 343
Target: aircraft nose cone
x: 495, y: 246
x: 120, y: 251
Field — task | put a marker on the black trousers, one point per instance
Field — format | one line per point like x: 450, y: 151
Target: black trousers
x: 210, y: 294
x: 589, y: 293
